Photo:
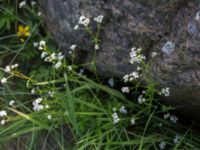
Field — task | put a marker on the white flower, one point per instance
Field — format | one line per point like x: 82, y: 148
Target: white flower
x: 3, y: 122
x: 73, y: 47
x: 141, y: 99
x: 139, y: 68
x: 58, y: 65
x: 84, y: 21
x: 76, y: 27
x: 46, y: 106
x: 173, y: 119
x: 33, y: 3
x: 114, y: 109
x: 39, y: 13
x: 51, y: 93
x: 165, y: 92
x: 33, y: 91
x: 60, y: 56
x: 125, y: 78
x: 123, y: 110
x: 3, y: 113
x: 52, y: 57
x: 43, y: 55
x: 49, y: 117
x: 197, y: 18
x: 11, y: 103
x: 136, y: 55
x: 3, y: 80
x: 81, y: 71
x: 134, y: 75
x: 70, y: 68
x: 42, y: 45
x: 144, y: 92
x: 162, y: 145
x: 7, y: 69
x: 28, y: 83
x: 154, y: 54
x: 111, y: 82
x: 132, y: 121
x: 166, y: 116
x: 125, y: 90
x: 176, y: 139
x: 35, y: 44
x: 96, y: 47
x: 36, y: 104
x: 99, y: 19
x: 14, y: 66
x: 116, y: 118
x: 22, y: 4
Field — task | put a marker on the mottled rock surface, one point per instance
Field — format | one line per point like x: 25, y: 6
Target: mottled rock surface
x: 169, y: 27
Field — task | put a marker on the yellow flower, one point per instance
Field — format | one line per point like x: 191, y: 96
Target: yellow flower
x: 23, y: 31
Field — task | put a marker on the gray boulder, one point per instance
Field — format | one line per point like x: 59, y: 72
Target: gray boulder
x: 169, y: 27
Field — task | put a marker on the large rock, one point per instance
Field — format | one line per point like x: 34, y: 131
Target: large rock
x: 169, y: 27
x: 180, y: 69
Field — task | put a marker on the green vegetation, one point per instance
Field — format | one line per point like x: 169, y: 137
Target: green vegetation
x: 49, y: 102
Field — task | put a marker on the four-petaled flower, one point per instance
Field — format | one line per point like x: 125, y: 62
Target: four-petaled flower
x: 23, y: 32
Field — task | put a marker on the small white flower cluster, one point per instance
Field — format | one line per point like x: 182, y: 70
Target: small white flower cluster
x: 154, y: 54
x: 86, y: 21
x: 130, y: 77
x: 3, y: 114
x: 39, y: 13
x: 55, y: 58
x: 33, y: 91
x: 165, y: 92
x: 3, y: 80
x: 172, y: 118
x: 49, y: 117
x: 123, y: 110
x: 133, y: 121
x: 81, y: 71
x: 42, y: 45
x: 136, y: 55
x: 116, y: 118
x: 125, y: 89
x: 72, y: 48
x: 37, y: 106
x: 51, y: 93
x: 111, y: 82
x: 197, y: 18
x: 141, y: 99
x: 12, y: 102
x: 177, y: 139
x: 8, y: 69
x: 162, y: 145
x: 33, y: 3
x: 82, y: 21
x: 22, y: 4
x: 96, y: 47
x: 99, y: 19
